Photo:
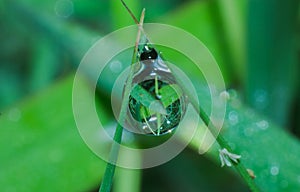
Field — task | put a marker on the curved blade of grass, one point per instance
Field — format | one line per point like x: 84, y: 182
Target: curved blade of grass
x: 128, y: 179
x: 110, y: 169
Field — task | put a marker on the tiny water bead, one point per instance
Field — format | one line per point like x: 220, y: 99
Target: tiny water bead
x: 274, y: 170
x: 233, y: 117
x: 263, y: 124
x: 156, y: 102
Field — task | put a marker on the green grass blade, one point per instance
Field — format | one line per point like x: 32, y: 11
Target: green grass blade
x: 232, y: 15
x: 272, y: 57
x: 110, y: 168
x: 40, y: 144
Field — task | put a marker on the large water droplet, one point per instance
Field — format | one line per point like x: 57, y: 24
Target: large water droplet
x: 156, y: 102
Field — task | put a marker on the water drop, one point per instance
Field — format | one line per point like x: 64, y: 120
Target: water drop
x: 116, y: 66
x: 263, y: 124
x: 261, y: 98
x: 156, y: 102
x: 225, y: 95
x: 274, y: 170
x: 233, y: 117
x: 64, y: 8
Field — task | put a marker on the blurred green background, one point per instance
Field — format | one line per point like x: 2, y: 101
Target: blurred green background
x: 255, y: 42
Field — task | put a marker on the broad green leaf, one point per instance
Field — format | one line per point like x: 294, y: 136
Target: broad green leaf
x: 232, y: 15
x: 45, y: 64
x: 142, y: 95
x: 265, y: 147
x: 272, y: 58
x: 41, y: 149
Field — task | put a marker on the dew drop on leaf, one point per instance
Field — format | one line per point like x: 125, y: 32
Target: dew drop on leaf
x: 274, y: 170
x: 156, y: 102
x: 233, y: 117
x: 263, y: 124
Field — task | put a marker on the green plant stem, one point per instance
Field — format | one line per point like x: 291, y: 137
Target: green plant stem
x: 110, y: 168
x: 224, y: 144
x: 111, y: 165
